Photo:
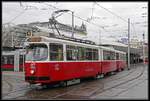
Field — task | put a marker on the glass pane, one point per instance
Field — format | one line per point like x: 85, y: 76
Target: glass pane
x: 95, y: 54
x: 56, y: 52
x: 81, y: 53
x: 88, y: 54
x: 37, y: 52
x: 112, y: 55
x: 71, y: 52
x: 117, y: 56
x: 106, y: 55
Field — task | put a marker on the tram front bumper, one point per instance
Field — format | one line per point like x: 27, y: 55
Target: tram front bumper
x: 35, y: 79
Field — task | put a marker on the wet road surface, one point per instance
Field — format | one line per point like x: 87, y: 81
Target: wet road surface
x: 132, y: 84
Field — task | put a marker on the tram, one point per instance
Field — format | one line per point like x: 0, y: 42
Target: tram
x: 146, y: 60
x: 8, y: 59
x: 55, y: 60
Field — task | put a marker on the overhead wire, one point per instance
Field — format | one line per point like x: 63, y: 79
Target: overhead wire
x: 92, y: 16
x: 111, y: 12
x: 17, y: 15
x: 81, y: 17
x: 58, y: 15
x: 116, y: 15
x: 102, y: 27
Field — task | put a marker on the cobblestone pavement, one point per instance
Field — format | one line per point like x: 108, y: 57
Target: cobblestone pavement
x: 132, y: 84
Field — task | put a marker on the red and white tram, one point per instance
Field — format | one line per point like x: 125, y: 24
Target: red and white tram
x: 8, y: 60
x: 52, y: 60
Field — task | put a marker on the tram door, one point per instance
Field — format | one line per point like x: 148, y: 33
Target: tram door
x: 19, y: 60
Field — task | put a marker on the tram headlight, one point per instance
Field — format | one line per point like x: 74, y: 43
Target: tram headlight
x: 32, y: 71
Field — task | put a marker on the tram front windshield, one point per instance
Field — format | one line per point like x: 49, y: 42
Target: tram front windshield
x: 37, y: 52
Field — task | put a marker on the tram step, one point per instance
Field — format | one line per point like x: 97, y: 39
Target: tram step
x: 71, y: 82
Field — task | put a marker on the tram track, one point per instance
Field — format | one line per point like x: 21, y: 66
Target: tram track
x: 9, y: 84
x: 137, y: 83
x: 11, y: 87
x: 117, y: 85
x: 128, y: 88
x: 15, y: 91
x: 12, y: 79
x: 111, y: 78
x: 98, y: 91
x: 25, y: 89
x: 84, y: 85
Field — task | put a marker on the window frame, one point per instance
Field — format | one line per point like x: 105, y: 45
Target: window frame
x: 57, y: 54
x: 109, y: 53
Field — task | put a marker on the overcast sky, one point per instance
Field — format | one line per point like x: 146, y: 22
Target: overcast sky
x: 115, y: 27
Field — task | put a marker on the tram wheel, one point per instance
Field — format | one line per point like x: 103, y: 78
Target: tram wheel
x: 96, y: 77
x: 63, y: 83
x: 102, y: 75
x: 112, y: 73
x: 122, y: 69
x: 99, y: 76
x: 47, y: 86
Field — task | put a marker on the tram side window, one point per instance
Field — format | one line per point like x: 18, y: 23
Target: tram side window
x: 56, y: 52
x: 117, y: 56
x: 112, y: 55
x: 106, y: 55
x: 4, y: 60
x: 72, y: 52
x: 81, y: 53
x: 95, y: 54
x: 123, y: 56
x: 22, y: 59
x: 88, y: 54
x: 10, y: 59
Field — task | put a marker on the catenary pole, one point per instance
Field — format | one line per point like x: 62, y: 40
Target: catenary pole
x: 72, y: 24
x: 143, y: 48
x: 128, y: 43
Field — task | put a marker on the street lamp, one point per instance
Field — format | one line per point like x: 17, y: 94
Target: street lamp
x: 129, y: 44
x: 144, y: 15
x: 143, y: 48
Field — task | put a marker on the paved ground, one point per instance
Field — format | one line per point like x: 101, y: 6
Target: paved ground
x: 135, y: 89
x: 132, y: 84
